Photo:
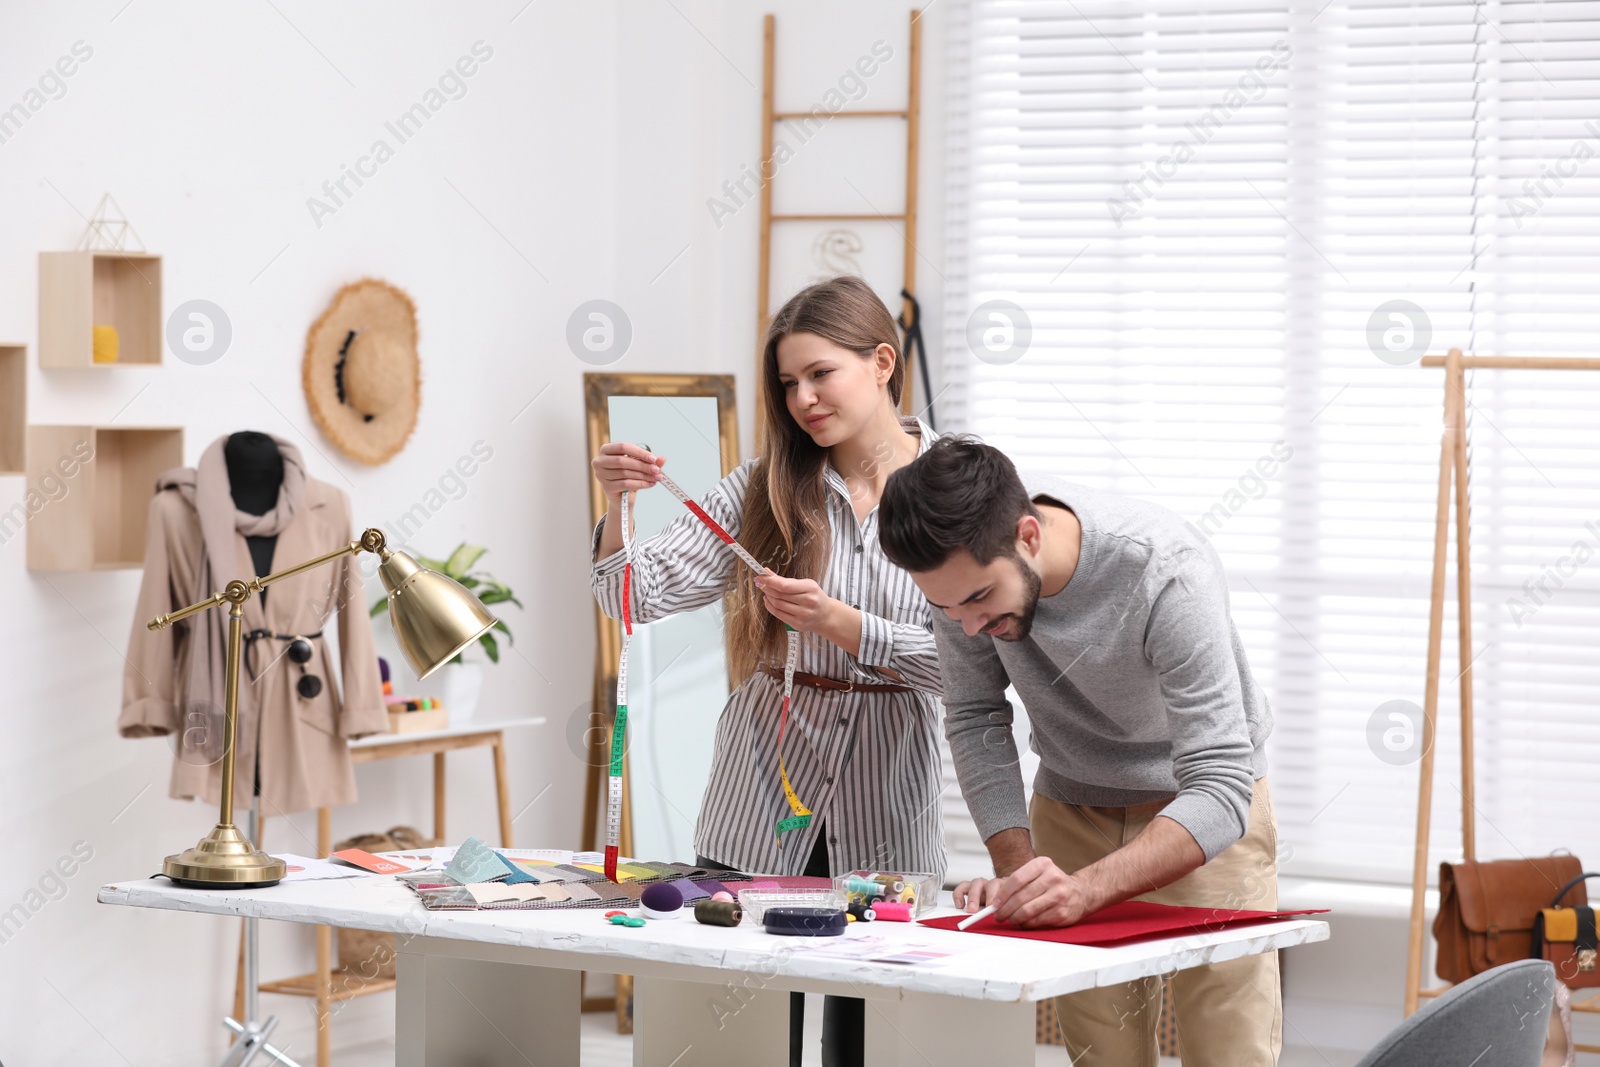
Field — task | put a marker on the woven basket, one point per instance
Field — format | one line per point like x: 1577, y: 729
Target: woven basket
x: 370, y: 953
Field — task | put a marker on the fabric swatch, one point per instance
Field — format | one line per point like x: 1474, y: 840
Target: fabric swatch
x: 474, y: 863
x: 690, y: 891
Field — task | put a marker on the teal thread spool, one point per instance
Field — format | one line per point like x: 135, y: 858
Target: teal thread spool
x: 866, y: 887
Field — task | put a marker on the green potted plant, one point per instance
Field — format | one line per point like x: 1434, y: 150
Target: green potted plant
x: 461, y: 681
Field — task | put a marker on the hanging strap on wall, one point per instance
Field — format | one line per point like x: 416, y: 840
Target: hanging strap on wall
x: 913, y: 348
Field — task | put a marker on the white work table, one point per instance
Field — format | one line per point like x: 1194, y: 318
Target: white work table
x: 502, y: 987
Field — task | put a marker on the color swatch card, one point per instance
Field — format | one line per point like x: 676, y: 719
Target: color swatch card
x: 537, y: 855
x: 355, y: 857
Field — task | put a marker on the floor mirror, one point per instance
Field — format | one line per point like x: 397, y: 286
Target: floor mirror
x: 677, y: 668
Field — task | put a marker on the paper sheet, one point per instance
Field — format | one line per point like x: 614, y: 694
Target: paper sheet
x: 307, y: 869
x: 874, y: 948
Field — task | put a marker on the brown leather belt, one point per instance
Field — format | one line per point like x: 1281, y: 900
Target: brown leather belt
x: 833, y: 685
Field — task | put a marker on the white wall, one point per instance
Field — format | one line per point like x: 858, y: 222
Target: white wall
x: 576, y: 166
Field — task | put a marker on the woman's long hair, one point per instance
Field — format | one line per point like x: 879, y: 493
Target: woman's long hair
x: 784, y: 524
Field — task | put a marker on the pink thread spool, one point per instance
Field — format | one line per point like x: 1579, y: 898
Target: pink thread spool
x: 892, y: 911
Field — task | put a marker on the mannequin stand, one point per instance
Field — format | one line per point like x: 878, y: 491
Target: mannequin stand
x: 253, y: 1034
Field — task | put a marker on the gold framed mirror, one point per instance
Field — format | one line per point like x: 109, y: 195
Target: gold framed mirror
x: 678, y: 665
x: 692, y: 420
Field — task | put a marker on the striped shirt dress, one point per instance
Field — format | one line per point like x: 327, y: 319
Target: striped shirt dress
x: 867, y: 764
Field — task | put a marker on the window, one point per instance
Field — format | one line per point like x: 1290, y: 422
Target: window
x: 1230, y: 232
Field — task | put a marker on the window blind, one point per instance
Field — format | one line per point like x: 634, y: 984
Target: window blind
x: 1194, y: 252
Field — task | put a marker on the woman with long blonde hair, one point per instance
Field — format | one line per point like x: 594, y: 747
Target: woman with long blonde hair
x: 861, y: 745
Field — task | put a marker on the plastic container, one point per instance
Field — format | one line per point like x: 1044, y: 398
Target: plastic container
x: 788, y: 921
x: 755, y: 902
x: 921, y: 891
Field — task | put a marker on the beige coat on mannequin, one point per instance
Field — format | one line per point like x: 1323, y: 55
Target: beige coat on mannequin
x: 304, y: 759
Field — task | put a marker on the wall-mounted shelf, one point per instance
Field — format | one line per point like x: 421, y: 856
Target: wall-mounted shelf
x: 81, y: 290
x: 13, y: 408
x: 93, y: 486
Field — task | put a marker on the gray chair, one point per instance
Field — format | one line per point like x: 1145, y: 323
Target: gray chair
x: 1496, y: 1019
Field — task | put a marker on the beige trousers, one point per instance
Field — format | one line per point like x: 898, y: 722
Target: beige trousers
x: 1229, y: 1014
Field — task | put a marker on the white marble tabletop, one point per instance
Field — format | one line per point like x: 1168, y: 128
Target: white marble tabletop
x: 982, y: 966
x: 476, y: 726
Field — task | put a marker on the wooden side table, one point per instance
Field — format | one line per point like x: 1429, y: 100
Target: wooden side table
x: 351, y: 984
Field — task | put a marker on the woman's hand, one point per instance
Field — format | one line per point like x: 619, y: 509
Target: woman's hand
x: 623, y: 468
x: 800, y: 602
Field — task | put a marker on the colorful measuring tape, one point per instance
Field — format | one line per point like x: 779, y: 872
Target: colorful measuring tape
x: 800, y: 815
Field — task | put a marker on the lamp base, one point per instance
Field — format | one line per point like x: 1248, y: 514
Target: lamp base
x: 224, y: 859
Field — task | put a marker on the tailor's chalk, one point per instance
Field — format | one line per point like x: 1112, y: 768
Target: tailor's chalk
x: 982, y: 913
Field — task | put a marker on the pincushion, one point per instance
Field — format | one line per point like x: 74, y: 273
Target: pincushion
x: 661, y: 901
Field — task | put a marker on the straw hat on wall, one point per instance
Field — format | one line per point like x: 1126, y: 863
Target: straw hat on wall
x: 362, y: 377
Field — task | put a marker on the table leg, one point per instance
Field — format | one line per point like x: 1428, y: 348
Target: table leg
x: 438, y: 799
x: 924, y: 1028
x: 503, y: 791
x: 450, y: 1010
x: 730, y: 1025
x: 324, y: 954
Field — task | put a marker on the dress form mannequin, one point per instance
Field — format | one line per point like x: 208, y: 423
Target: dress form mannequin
x: 255, y: 474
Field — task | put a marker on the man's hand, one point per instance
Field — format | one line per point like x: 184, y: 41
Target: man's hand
x: 977, y: 893
x: 1042, y: 895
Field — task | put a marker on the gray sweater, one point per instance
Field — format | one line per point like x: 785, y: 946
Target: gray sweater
x: 1133, y: 677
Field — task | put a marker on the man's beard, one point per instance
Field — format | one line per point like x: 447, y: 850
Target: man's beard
x: 1030, y: 603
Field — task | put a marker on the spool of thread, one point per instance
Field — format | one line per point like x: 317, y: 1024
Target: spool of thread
x: 865, y: 887
x: 718, y: 913
x: 862, y: 912
x: 893, y: 911
x: 722, y: 894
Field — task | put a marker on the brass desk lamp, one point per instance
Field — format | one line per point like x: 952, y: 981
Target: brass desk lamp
x: 434, y: 618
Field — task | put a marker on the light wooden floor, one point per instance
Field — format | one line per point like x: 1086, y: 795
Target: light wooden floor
x: 604, y: 1047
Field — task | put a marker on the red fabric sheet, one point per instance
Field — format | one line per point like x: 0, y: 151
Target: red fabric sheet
x: 1128, y: 922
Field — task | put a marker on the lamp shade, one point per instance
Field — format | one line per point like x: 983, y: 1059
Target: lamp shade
x: 434, y: 616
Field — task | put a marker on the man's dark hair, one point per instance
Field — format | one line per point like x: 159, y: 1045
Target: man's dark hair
x: 959, y: 494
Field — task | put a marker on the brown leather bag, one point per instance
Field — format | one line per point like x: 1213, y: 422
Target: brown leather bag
x: 1486, y: 910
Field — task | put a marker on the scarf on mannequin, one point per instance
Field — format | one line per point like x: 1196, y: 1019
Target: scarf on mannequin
x: 209, y: 490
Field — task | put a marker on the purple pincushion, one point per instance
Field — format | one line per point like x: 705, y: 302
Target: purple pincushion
x: 661, y: 901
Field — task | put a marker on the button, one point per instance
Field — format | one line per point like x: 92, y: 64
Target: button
x: 828, y: 780
x: 833, y: 840
x: 860, y: 548
x: 843, y: 721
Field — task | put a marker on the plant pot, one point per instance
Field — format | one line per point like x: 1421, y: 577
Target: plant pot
x: 459, y: 686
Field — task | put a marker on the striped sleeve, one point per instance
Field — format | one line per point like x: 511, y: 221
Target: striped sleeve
x: 908, y: 649
x: 685, y: 566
